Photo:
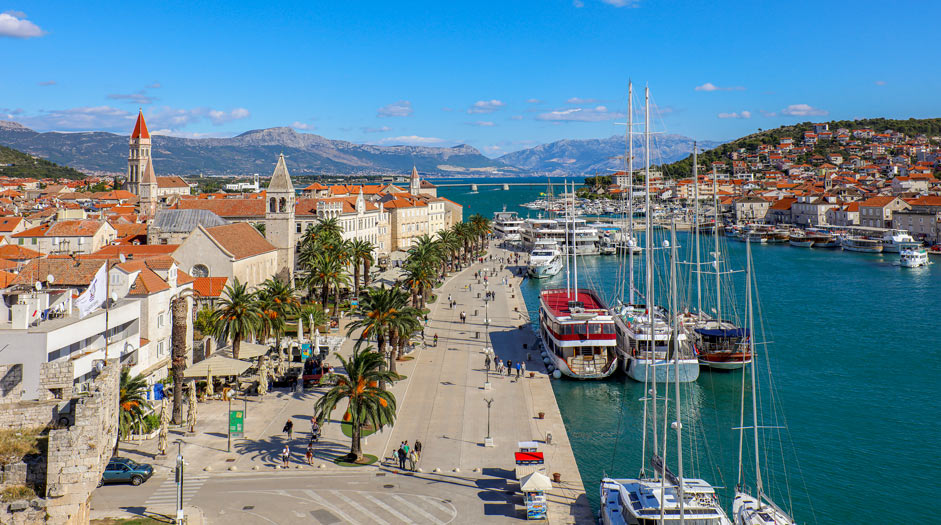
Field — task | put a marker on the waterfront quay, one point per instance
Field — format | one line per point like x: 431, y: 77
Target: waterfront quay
x: 441, y: 402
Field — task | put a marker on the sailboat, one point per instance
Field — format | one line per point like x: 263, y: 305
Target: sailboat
x: 575, y: 324
x: 646, y: 344
x: 718, y: 342
x: 757, y: 509
x: 665, y: 498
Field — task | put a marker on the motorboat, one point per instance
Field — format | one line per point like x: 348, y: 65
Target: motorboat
x: 894, y: 241
x: 913, y: 257
x: 507, y: 225
x: 800, y: 240
x: 644, y: 501
x: 545, y: 260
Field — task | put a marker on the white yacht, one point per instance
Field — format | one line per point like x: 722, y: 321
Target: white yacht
x: 545, y: 260
x: 507, y: 225
x: 638, y: 502
x: 894, y: 241
x: 564, y: 232
x: 913, y: 257
x: 646, y: 346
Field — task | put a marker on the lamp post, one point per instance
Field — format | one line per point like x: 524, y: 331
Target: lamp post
x: 179, y: 482
x: 488, y: 441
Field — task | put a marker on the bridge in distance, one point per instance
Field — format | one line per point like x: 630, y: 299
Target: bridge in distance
x: 504, y: 185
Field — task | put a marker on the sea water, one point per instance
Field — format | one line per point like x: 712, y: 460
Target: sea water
x: 848, y: 361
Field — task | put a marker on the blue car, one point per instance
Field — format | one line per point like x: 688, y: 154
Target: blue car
x: 124, y: 470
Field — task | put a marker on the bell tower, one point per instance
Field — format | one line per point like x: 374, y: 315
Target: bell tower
x: 414, y: 183
x: 139, y: 154
x: 279, y: 218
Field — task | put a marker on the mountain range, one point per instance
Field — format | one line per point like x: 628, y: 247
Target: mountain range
x: 255, y: 152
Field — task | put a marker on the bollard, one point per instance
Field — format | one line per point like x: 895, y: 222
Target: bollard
x: 548, y: 437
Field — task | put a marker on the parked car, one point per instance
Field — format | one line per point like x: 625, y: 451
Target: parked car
x: 124, y: 470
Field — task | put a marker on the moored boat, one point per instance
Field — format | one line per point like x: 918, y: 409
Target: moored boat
x: 856, y: 243
x: 913, y: 257
x: 578, y: 333
x: 894, y: 241
x: 545, y: 260
x: 800, y: 240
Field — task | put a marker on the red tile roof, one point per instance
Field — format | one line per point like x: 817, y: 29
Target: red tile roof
x: 18, y: 253
x: 240, y: 239
x: 140, y: 128
x: 209, y: 286
x: 8, y: 224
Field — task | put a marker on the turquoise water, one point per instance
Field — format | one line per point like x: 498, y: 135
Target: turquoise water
x: 853, y: 345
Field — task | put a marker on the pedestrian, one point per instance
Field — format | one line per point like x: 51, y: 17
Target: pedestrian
x: 463, y: 317
x: 449, y: 298
x: 517, y: 370
x: 289, y: 429
x: 412, y: 458
x: 509, y: 367
x: 310, y: 453
x: 436, y: 340
x: 523, y: 366
x: 487, y: 363
x: 314, y: 429
x: 418, y: 449
x: 285, y: 456
x: 401, y: 455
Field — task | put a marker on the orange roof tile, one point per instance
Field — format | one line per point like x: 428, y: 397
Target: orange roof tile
x: 18, y: 253
x: 209, y: 286
x: 140, y: 128
x: 240, y: 239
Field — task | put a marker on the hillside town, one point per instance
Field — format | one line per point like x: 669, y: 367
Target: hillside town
x: 843, y: 177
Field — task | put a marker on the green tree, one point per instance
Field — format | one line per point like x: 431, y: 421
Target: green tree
x: 277, y: 303
x: 383, y: 311
x: 326, y: 271
x: 132, y: 403
x: 366, y: 402
x: 361, y: 251
x: 237, y: 316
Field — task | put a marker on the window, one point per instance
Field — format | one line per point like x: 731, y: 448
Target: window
x: 160, y: 320
x: 200, y: 270
x: 298, y: 228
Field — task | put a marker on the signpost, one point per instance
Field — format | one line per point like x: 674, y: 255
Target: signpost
x: 236, y: 424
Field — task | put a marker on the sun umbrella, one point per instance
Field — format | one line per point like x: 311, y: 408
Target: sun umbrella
x: 209, y: 390
x: 263, y: 376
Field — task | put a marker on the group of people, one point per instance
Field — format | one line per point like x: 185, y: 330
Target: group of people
x: 314, y: 437
x: 509, y: 367
x: 408, y: 456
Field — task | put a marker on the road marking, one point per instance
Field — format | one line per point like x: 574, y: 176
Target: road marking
x: 167, y: 491
x: 362, y: 510
x: 323, y: 503
x: 417, y: 509
x: 388, y: 509
x: 435, y: 501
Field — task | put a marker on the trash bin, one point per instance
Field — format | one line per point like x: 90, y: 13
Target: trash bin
x: 548, y: 438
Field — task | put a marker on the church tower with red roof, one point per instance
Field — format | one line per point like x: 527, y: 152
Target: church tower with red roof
x: 139, y: 154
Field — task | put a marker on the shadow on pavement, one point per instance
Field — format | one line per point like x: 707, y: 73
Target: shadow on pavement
x: 142, y: 512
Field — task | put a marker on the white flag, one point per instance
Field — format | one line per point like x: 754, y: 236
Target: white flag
x: 94, y: 296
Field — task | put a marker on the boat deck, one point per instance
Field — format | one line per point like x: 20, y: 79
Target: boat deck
x: 558, y: 301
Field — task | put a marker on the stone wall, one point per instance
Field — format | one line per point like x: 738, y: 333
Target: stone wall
x: 77, y: 455
x: 55, y: 380
x: 11, y: 384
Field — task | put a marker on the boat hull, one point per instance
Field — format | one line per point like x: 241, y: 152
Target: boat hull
x: 747, y: 510
x: 862, y: 249
x: 661, y: 370
x: 544, y: 271
x: 725, y: 360
x: 563, y: 367
x: 801, y: 244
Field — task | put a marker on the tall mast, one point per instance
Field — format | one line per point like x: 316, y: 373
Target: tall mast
x: 649, y: 266
x: 565, y: 242
x: 715, y: 203
x: 696, y: 225
x: 676, y: 366
x: 574, y: 242
x: 630, y: 204
x: 754, y: 393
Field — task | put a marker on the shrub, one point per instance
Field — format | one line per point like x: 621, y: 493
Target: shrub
x: 17, y: 492
x: 16, y: 443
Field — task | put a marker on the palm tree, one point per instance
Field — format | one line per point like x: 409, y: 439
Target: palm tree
x: 361, y: 251
x: 465, y: 234
x: 277, y: 302
x: 327, y: 271
x: 450, y: 245
x: 132, y: 402
x: 178, y: 345
x: 481, y: 228
x: 236, y: 317
x: 366, y: 402
x: 314, y: 315
x: 419, y: 277
x: 382, y: 310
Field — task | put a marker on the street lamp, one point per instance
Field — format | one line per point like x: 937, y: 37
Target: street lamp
x: 488, y: 441
x: 179, y: 482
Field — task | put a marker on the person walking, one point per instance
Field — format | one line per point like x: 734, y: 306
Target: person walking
x: 412, y: 458
x: 518, y: 369
x: 487, y: 364
x: 436, y: 340
x: 523, y: 367
x: 285, y: 456
x: 314, y: 430
x: 310, y: 453
x: 418, y: 449
x: 289, y: 429
x: 499, y: 367
x: 463, y: 317
x: 509, y: 367
x: 401, y: 455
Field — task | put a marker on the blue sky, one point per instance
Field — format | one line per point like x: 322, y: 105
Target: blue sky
x: 499, y: 76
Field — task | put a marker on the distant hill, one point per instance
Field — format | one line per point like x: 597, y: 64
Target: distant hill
x: 15, y: 163
x: 911, y: 127
x: 251, y: 152
x: 585, y: 156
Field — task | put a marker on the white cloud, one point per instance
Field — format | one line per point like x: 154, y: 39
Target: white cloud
x: 879, y: 82
x: 578, y: 3
x: 576, y: 100
x: 139, y: 97
x: 301, y: 125
x: 485, y: 106
x: 709, y: 86
x: 516, y: 117
x: 190, y: 134
x: 380, y: 129
x: 108, y: 118
x: 743, y: 114
x: 534, y: 101
x: 482, y: 123
x: 47, y: 83
x: 218, y: 117
x: 155, y: 85
x: 411, y: 140
x: 596, y: 114
x: 14, y: 24
x: 402, y: 108
x: 803, y: 110
x: 492, y: 150
x: 622, y: 3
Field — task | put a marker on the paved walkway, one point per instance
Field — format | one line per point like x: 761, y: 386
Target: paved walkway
x: 441, y: 403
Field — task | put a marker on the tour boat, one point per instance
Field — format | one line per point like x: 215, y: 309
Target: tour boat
x: 646, y: 346
x: 894, y: 241
x: 506, y: 225
x: 822, y: 239
x: 856, y: 243
x: 578, y: 333
x: 800, y: 240
x: 545, y: 260
x: 913, y: 257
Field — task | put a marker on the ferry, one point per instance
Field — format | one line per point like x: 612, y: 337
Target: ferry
x: 578, y: 333
x: 507, y: 225
x: 856, y: 243
x: 545, y: 260
x: 894, y: 241
x: 913, y: 257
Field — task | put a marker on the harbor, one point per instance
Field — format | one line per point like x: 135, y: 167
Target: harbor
x: 825, y: 353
